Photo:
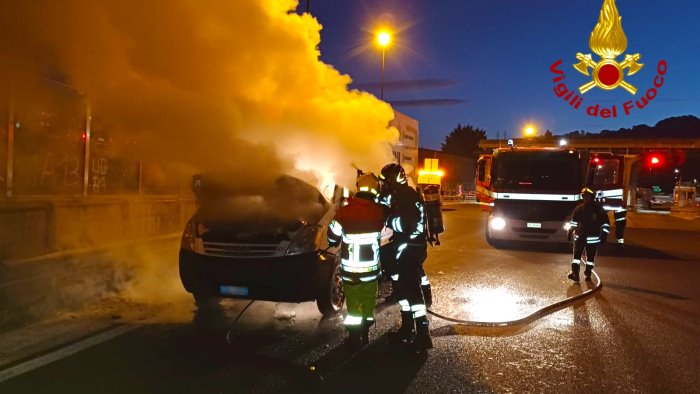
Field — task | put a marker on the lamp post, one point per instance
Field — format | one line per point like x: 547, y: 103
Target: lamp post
x: 529, y: 131
x: 383, y: 39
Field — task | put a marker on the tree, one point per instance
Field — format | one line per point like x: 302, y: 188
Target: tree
x: 463, y: 140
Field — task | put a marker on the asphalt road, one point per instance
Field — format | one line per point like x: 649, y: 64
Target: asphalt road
x: 640, y: 333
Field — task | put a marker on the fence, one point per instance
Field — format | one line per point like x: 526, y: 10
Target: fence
x: 53, y: 145
x: 67, y: 182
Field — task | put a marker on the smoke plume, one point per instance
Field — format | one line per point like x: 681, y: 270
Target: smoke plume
x: 204, y: 86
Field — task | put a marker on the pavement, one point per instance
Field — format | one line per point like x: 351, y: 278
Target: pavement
x: 662, y: 220
x: 638, y: 334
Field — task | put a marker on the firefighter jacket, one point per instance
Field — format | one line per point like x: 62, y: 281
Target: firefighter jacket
x: 590, y: 220
x: 358, y: 225
x: 407, y: 217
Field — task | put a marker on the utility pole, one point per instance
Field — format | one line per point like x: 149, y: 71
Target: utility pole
x: 10, y: 143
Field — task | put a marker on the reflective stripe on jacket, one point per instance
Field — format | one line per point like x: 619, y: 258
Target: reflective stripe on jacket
x: 358, y: 225
x: 407, y: 218
x: 590, y: 220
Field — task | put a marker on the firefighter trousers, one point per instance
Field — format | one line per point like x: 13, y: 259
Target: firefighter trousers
x: 591, y: 249
x: 390, y: 264
x: 410, y: 260
x: 360, y: 299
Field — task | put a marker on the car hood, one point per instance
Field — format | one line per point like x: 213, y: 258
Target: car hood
x: 271, y: 213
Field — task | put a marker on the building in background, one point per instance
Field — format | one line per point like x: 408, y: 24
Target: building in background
x: 458, y: 170
x: 406, y: 149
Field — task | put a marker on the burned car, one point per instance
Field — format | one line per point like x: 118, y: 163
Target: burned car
x: 262, y: 241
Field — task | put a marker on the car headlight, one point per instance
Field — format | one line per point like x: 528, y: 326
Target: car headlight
x: 304, y: 241
x: 201, y: 229
x: 188, y: 236
x: 498, y: 223
x: 567, y: 226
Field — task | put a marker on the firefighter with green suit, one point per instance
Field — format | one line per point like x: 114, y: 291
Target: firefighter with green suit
x: 356, y: 228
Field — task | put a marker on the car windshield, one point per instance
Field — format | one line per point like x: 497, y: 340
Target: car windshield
x: 284, y: 204
x: 537, y: 170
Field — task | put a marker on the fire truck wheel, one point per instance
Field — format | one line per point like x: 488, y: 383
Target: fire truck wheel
x: 498, y: 244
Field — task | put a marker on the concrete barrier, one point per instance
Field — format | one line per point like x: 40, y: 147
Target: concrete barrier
x: 59, y: 254
x: 31, y: 228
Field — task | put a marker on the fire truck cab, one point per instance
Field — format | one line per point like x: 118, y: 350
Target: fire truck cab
x: 529, y: 193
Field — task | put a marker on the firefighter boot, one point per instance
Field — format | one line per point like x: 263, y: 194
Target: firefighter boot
x: 366, y: 325
x: 574, y: 272
x: 587, y: 272
x: 407, y: 331
x: 621, y: 245
x: 354, y: 339
x: 423, y: 341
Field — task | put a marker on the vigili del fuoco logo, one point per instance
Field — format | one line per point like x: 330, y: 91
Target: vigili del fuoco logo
x: 608, y: 41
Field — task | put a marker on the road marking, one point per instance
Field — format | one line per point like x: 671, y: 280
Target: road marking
x: 64, y: 352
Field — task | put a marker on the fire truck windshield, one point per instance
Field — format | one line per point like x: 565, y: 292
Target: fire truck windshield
x: 605, y: 172
x: 537, y: 170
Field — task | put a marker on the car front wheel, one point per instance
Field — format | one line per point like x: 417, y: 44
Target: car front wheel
x: 331, y: 296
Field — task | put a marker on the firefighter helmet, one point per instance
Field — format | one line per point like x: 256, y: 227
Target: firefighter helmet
x: 393, y: 174
x: 368, y: 183
x: 587, y: 190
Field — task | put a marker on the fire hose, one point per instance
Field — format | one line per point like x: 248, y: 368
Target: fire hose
x: 529, y: 318
x: 233, y: 325
x: 316, y: 378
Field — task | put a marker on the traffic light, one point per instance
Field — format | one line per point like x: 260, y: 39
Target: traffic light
x: 655, y: 160
x: 659, y: 160
x: 662, y: 160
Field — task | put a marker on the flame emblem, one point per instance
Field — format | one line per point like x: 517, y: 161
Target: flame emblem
x: 608, y: 41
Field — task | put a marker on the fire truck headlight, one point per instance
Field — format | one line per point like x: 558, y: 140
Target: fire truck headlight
x: 567, y: 226
x: 498, y: 223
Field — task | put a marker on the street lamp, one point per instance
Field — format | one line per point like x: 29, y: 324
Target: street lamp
x: 529, y: 131
x: 383, y: 39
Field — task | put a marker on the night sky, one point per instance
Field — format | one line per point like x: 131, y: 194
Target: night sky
x: 494, y: 56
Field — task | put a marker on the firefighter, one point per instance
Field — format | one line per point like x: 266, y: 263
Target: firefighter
x: 407, y: 220
x: 357, y: 226
x: 388, y: 253
x: 589, y: 227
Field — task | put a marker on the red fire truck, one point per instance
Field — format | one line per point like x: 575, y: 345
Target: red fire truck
x: 529, y: 193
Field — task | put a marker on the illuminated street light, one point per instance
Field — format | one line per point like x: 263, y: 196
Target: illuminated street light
x: 529, y: 131
x: 383, y: 39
